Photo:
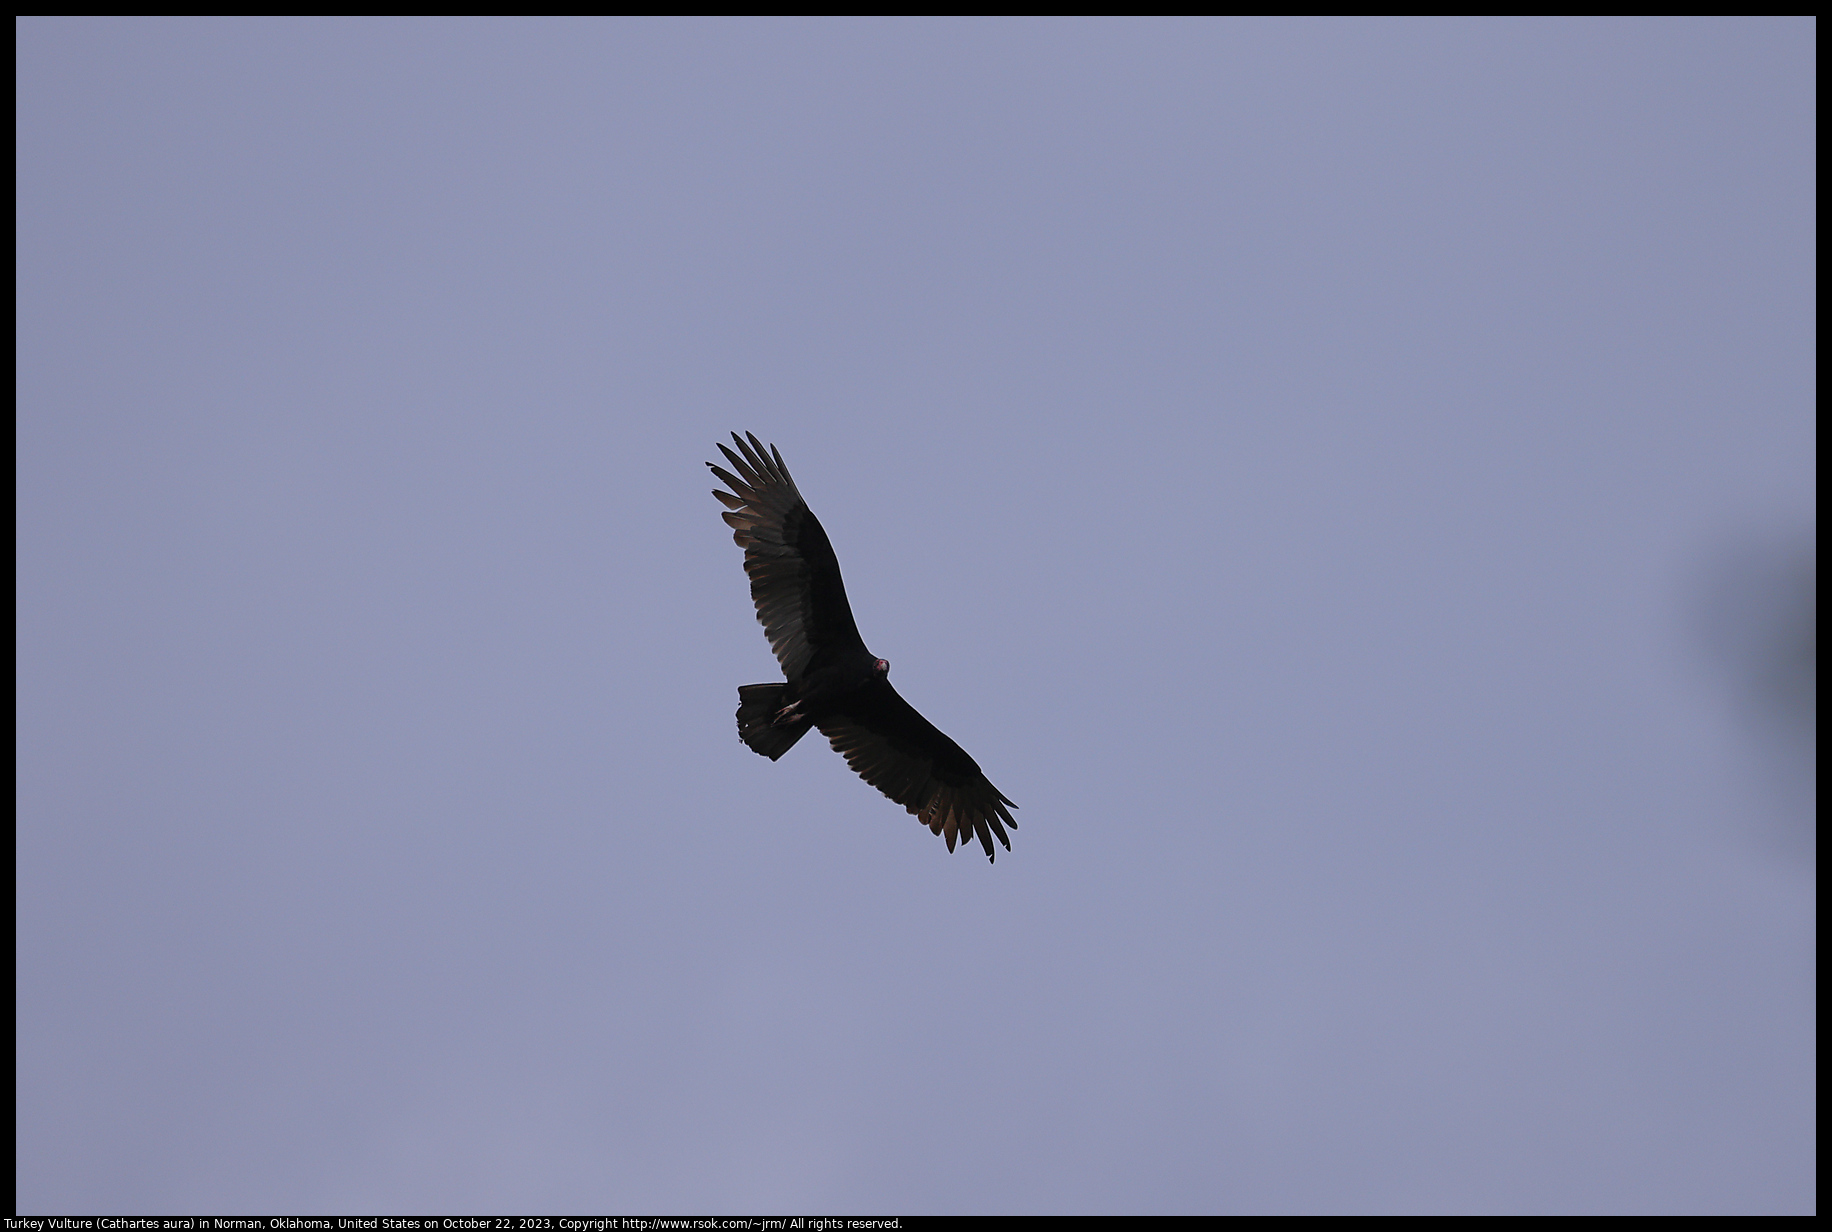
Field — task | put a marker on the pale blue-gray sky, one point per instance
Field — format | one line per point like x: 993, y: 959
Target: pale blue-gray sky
x: 1289, y: 455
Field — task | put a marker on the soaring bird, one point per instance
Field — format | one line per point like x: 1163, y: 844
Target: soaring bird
x: 833, y: 682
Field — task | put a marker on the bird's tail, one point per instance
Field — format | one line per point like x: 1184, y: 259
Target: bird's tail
x: 757, y: 706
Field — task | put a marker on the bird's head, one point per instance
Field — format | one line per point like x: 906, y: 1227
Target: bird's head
x: 881, y: 667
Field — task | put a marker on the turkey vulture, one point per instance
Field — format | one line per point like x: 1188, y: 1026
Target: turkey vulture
x: 835, y: 683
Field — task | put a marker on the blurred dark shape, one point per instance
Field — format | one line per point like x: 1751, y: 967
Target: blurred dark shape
x: 1761, y: 627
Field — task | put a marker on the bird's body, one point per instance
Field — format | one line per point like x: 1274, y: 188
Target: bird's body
x: 833, y: 682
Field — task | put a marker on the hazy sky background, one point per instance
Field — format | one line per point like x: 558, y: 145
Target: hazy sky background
x: 1344, y: 479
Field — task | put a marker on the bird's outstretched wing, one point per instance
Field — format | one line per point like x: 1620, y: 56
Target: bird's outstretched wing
x: 909, y: 759
x: 795, y: 577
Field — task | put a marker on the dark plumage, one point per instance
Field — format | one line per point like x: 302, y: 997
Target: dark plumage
x: 835, y: 683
